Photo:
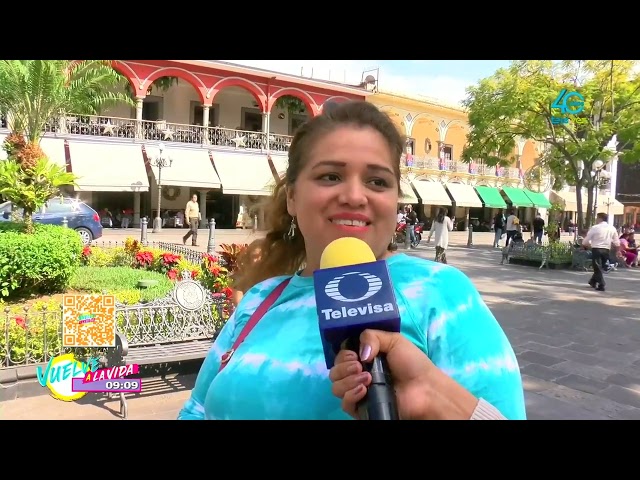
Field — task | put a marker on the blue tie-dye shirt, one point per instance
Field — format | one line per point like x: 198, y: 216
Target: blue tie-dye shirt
x: 279, y: 371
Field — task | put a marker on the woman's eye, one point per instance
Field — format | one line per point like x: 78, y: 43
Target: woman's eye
x: 378, y: 182
x: 331, y: 177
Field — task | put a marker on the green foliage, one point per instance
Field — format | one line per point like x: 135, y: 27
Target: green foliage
x: 30, y: 189
x: 291, y: 105
x: 43, y: 262
x: 121, y: 282
x: 516, y: 103
x: 555, y: 217
x: 35, y: 91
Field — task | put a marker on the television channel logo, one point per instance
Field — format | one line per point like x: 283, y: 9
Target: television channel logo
x: 571, y: 103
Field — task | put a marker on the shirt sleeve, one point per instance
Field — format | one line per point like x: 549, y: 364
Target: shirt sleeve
x: 465, y: 340
x: 193, y: 408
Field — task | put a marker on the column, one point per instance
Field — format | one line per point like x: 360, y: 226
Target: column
x: 205, y: 131
x: 139, y: 101
x: 203, y: 206
x: 136, y: 209
x: 266, y: 128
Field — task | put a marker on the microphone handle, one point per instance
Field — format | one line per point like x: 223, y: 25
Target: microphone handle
x: 380, y: 401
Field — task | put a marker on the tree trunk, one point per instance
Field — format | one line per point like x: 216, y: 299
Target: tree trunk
x: 590, y: 213
x: 28, y: 222
x: 580, y: 213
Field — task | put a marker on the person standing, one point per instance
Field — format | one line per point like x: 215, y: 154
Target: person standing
x: 498, y: 228
x: 600, y: 237
x: 538, y: 228
x: 512, y: 226
x: 192, y: 218
x: 442, y: 225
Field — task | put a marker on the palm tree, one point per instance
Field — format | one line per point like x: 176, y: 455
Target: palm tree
x: 34, y: 92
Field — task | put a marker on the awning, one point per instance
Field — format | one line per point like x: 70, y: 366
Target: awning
x: 568, y: 199
x: 517, y: 197
x: 607, y: 204
x: 407, y: 193
x: 54, y: 150
x: 191, y: 167
x: 281, y: 162
x: 108, y: 167
x: 464, y: 195
x: 243, y: 174
x: 538, y: 199
x: 432, y: 193
x: 491, y: 197
x: 3, y: 154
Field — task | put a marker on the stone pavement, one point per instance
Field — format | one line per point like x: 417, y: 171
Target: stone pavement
x: 579, y: 350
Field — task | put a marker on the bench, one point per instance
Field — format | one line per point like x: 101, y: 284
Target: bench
x: 525, y: 251
x: 179, y: 327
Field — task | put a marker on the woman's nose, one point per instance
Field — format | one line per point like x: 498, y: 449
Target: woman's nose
x: 353, y: 193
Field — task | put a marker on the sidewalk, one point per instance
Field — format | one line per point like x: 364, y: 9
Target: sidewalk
x: 161, y: 399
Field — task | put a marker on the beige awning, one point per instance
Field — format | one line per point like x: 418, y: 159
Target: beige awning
x: 408, y: 196
x: 464, y: 195
x: 568, y: 199
x: 108, y: 167
x: 432, y: 193
x: 191, y: 167
x: 281, y: 162
x: 244, y: 174
x: 54, y: 150
x: 608, y: 204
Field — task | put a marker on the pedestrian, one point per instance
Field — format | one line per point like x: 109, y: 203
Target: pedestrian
x: 599, y: 238
x: 192, y: 218
x: 441, y: 226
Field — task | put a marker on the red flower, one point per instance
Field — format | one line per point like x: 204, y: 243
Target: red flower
x: 21, y: 322
x: 227, y: 292
x: 172, y: 274
x: 86, y: 251
x: 194, y: 274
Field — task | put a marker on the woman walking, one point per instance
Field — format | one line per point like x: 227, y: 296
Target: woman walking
x: 442, y: 225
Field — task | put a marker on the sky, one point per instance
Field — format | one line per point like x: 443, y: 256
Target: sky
x: 444, y: 80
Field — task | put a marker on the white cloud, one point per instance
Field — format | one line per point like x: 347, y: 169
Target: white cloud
x: 444, y: 88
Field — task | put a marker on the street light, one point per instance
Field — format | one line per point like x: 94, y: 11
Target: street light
x: 597, y: 168
x: 160, y: 162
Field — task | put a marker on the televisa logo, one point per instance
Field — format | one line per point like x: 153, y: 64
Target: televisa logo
x: 332, y: 290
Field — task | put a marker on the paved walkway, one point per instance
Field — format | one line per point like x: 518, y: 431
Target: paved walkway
x: 579, y: 350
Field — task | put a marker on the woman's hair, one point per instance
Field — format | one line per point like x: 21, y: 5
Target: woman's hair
x: 280, y: 255
x: 441, y: 214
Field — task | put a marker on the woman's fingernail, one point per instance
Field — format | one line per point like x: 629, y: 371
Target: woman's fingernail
x: 362, y: 378
x: 365, y: 351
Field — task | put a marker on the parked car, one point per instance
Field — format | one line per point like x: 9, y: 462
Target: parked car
x: 80, y: 216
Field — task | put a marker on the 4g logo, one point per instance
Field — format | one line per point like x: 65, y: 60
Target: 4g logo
x: 567, y: 106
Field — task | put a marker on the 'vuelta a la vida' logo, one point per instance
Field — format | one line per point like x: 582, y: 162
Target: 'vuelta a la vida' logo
x: 59, y: 374
x: 358, y: 288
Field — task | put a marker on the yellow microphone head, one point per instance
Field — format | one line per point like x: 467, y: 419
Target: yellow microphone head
x: 346, y: 251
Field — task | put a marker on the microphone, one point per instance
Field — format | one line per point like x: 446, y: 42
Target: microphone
x: 353, y: 293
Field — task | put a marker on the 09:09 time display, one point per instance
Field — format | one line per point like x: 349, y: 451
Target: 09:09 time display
x: 128, y: 385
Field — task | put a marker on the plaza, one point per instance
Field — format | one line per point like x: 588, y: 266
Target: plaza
x: 578, y: 350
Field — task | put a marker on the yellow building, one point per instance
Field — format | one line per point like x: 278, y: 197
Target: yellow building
x: 433, y: 175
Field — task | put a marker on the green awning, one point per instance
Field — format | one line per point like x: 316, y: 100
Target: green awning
x: 538, y: 199
x: 491, y: 197
x: 518, y: 197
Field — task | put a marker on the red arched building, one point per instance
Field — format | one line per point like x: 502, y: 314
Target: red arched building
x: 224, y: 128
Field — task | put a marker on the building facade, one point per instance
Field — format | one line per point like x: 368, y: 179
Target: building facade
x: 628, y: 192
x: 222, y: 130
x: 433, y: 175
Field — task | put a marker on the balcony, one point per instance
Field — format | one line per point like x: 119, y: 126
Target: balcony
x: 162, y: 131
x: 428, y: 165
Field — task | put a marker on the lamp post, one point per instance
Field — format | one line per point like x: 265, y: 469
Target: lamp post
x: 160, y: 162
x: 597, y: 168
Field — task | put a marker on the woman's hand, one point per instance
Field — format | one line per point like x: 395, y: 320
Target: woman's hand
x: 423, y: 391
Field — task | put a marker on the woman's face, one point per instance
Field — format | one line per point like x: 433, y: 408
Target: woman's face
x: 347, y: 188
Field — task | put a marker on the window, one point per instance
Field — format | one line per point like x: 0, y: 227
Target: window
x: 447, y: 151
x: 410, y: 146
x: 296, y: 120
x: 54, y: 206
x: 251, y: 120
x: 152, y: 109
x: 197, y: 112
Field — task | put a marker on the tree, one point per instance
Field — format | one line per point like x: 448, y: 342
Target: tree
x: 33, y: 92
x: 536, y: 100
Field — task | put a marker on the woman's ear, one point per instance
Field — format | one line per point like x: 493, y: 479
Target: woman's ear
x: 291, y: 203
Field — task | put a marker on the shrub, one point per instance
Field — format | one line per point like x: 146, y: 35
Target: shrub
x: 39, y: 263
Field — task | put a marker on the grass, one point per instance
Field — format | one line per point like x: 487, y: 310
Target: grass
x: 120, y: 280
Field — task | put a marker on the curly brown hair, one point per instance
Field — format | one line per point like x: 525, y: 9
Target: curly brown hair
x: 275, y: 255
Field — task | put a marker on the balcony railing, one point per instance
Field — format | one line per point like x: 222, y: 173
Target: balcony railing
x: 456, y: 166
x: 101, y: 126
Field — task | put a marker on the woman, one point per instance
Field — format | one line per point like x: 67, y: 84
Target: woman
x: 630, y: 254
x: 441, y: 226
x: 343, y: 179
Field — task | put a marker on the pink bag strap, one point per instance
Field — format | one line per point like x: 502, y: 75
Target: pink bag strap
x: 262, y: 309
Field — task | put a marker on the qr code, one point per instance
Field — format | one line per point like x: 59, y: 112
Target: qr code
x: 88, y: 321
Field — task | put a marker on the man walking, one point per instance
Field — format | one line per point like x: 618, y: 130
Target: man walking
x: 192, y: 218
x: 538, y: 228
x: 599, y: 238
